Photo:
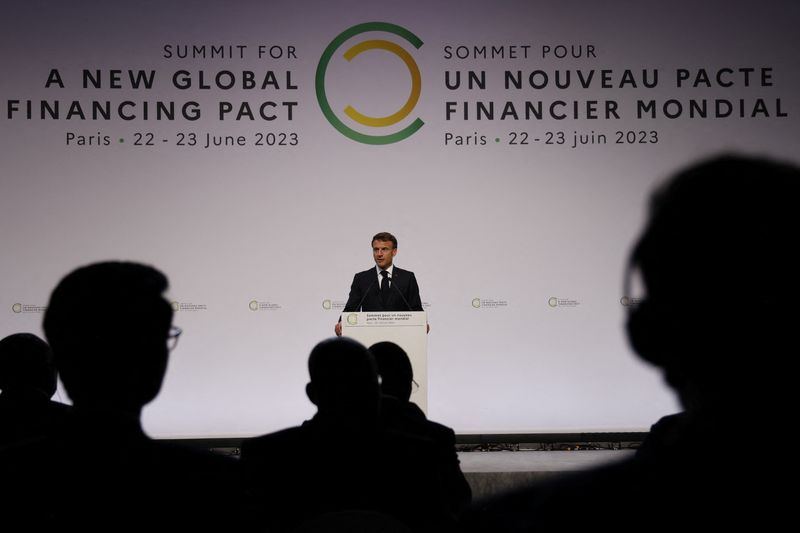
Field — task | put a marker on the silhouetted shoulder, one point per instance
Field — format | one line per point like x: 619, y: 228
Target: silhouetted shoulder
x: 24, y: 419
x: 132, y: 481
x: 264, y: 443
x: 273, y: 452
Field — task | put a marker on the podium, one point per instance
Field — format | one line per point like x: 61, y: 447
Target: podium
x: 407, y: 329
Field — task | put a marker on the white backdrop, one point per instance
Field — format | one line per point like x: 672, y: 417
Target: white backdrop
x: 519, y: 248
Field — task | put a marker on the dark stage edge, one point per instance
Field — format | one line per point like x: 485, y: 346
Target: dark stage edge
x: 499, y: 463
x: 485, y: 442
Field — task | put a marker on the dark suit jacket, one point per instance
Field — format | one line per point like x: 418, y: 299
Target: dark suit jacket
x: 29, y: 415
x: 317, y: 468
x: 408, y: 418
x: 365, y: 286
x: 681, y: 478
x: 100, y: 472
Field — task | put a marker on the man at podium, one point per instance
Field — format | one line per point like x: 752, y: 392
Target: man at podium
x: 384, y: 287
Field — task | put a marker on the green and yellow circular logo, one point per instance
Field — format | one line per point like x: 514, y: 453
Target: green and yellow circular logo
x: 253, y: 305
x: 176, y: 306
x: 553, y: 302
x: 326, y: 304
x: 386, y: 121
x: 17, y: 308
x: 476, y: 303
x: 352, y: 319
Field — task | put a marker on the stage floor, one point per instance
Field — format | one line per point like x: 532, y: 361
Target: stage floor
x: 494, y: 472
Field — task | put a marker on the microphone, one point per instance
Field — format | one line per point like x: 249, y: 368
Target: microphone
x: 358, y: 307
x: 401, y: 294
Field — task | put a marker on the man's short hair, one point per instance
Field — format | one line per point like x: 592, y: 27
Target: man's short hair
x: 344, y: 375
x: 717, y: 264
x: 105, y: 299
x: 721, y: 229
x: 108, y: 323
x: 384, y: 236
x: 341, y: 360
x: 395, y: 369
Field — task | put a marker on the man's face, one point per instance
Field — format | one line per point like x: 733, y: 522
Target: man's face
x: 383, y: 252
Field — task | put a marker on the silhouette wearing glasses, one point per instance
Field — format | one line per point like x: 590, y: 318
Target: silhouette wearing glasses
x: 400, y: 414
x: 341, y: 460
x: 719, y: 317
x: 109, y: 327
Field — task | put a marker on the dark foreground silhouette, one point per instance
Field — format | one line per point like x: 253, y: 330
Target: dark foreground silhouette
x: 28, y: 380
x: 109, y: 325
x: 719, y: 317
x: 400, y: 414
x: 341, y: 462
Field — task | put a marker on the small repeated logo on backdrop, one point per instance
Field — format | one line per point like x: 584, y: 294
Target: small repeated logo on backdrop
x: 372, y: 130
x: 555, y: 302
x: 182, y: 307
x: 328, y: 304
x: 258, y: 305
x: 20, y: 308
x: 489, y: 303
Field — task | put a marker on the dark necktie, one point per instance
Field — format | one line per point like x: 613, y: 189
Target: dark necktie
x: 384, y: 285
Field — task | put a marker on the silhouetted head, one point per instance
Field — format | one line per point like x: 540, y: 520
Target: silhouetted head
x: 394, y: 368
x: 717, y: 261
x: 344, y: 381
x: 26, y: 363
x: 108, y: 325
